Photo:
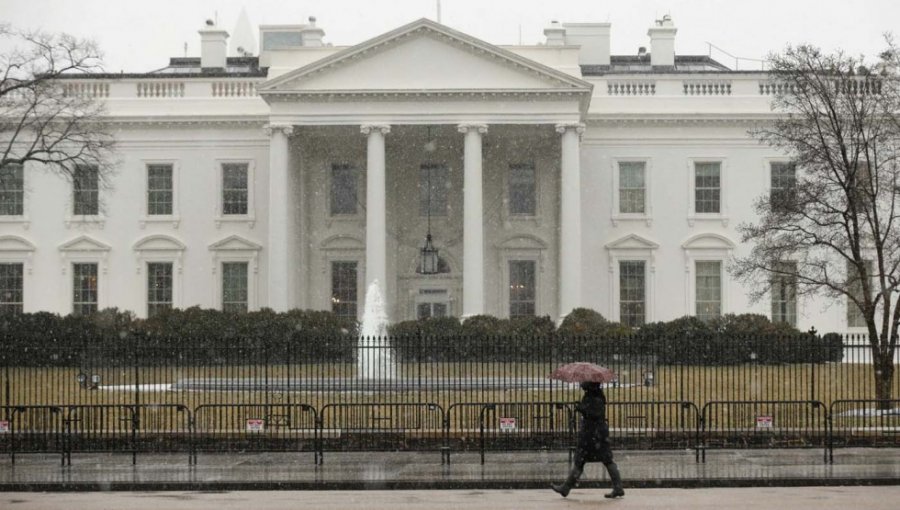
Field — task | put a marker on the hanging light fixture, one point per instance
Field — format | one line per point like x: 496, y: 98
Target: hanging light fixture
x: 428, y: 255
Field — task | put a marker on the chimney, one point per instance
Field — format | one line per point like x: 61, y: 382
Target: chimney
x: 556, y: 34
x: 213, y: 46
x: 311, y: 35
x: 593, y: 39
x: 662, y: 43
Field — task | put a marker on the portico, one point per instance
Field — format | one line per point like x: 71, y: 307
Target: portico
x: 502, y: 128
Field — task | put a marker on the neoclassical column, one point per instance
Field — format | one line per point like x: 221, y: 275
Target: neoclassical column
x: 570, y: 218
x: 473, y: 221
x: 279, y: 218
x: 376, y: 205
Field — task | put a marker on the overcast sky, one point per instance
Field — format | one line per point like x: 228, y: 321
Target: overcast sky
x: 141, y: 35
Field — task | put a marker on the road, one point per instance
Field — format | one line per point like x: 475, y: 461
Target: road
x: 795, y: 498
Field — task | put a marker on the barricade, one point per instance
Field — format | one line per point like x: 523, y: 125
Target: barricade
x: 163, y: 428
x: 867, y: 423
x: 764, y: 424
x: 100, y: 428
x: 32, y: 429
x: 653, y: 425
x: 509, y: 426
x: 220, y: 428
x: 381, y: 427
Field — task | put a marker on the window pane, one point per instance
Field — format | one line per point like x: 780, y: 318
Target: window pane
x: 343, y: 289
x: 159, y: 189
x: 631, y: 292
x: 784, y: 182
x: 12, y: 190
x: 234, y: 188
x: 707, y: 187
x: 423, y: 310
x: 631, y: 187
x: 234, y: 286
x: 784, y: 294
x: 709, y: 289
x: 343, y: 189
x: 159, y: 287
x: 522, y: 189
x: 11, y: 289
x: 521, y: 288
x: 434, y: 187
x: 85, y: 185
x: 855, y: 316
x: 84, y: 287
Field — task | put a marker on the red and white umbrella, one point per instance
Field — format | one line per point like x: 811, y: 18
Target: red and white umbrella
x: 580, y: 371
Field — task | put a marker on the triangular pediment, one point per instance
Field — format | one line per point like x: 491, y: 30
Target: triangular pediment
x: 420, y: 57
x: 84, y: 243
x: 235, y: 243
x: 159, y: 243
x: 632, y: 242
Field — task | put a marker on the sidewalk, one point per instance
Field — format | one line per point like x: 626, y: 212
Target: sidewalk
x: 726, y: 468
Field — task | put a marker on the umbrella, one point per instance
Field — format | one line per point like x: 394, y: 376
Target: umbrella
x: 583, y: 372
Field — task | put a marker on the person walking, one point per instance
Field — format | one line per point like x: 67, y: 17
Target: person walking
x: 593, y: 442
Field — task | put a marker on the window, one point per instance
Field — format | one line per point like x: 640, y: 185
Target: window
x: 12, y: 190
x: 632, y: 295
x: 84, y: 287
x: 159, y: 287
x: 343, y: 190
x: 11, y: 289
x: 159, y: 190
x: 709, y: 289
x: 234, y: 287
x: 344, y: 289
x: 783, y: 185
x: 434, y: 186
x: 234, y: 188
x: 85, y: 184
x: 522, y: 191
x: 432, y: 303
x: 632, y: 187
x: 855, y: 316
x: 707, y: 188
x: 784, y: 294
x: 521, y: 288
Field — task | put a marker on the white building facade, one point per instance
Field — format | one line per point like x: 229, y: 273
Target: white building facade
x: 549, y: 177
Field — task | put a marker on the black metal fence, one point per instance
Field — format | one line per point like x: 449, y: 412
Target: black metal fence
x: 443, y: 394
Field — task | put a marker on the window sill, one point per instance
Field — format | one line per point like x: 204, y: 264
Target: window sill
x: 249, y: 219
x: 626, y: 217
x: 22, y: 221
x: 693, y: 218
x: 95, y: 220
x: 343, y: 218
x: 535, y: 219
x: 174, y: 219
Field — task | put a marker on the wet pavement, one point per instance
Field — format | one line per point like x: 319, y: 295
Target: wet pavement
x: 795, y: 498
x: 531, y: 470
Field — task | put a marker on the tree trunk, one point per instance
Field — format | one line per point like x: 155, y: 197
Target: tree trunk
x: 883, y: 362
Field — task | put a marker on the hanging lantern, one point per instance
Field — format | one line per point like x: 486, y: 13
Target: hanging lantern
x: 428, y: 255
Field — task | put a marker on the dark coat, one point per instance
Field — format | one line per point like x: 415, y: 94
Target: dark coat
x: 593, y: 439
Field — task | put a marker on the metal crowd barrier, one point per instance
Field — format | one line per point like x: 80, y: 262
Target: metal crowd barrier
x: 747, y: 424
x: 867, y: 423
x: 32, y: 429
x: 508, y: 426
x: 654, y: 425
x: 385, y: 426
x: 255, y: 428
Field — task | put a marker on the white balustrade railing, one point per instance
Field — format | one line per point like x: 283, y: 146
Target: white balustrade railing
x: 707, y: 87
x: 156, y: 88
x: 87, y: 89
x: 631, y: 88
x: 233, y: 89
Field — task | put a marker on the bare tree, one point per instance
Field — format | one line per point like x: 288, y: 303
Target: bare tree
x: 44, y: 121
x: 833, y: 229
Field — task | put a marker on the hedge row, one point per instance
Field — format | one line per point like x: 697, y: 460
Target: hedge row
x: 209, y: 336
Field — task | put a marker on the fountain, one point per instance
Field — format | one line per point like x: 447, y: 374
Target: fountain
x: 375, y: 358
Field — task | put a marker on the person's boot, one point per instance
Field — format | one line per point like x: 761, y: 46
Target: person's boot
x: 561, y: 488
x: 616, y: 478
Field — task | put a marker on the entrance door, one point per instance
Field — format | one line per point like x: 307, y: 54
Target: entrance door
x: 432, y: 303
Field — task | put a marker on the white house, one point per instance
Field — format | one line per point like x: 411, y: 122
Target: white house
x: 549, y: 177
